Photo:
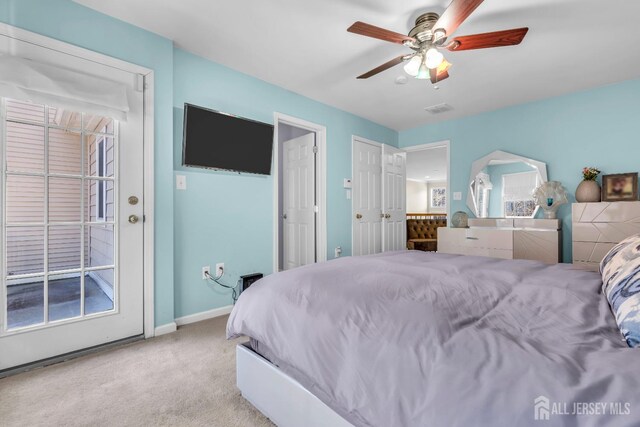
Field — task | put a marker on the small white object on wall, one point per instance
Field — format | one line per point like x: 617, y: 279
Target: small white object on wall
x: 347, y: 183
x: 457, y: 195
x: 181, y: 182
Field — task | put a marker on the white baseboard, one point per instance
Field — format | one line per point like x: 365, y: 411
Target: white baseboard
x: 204, y: 315
x: 165, y: 329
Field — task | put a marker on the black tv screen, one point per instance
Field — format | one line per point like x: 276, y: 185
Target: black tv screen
x: 217, y: 140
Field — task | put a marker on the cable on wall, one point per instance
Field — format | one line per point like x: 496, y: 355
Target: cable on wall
x: 234, y: 292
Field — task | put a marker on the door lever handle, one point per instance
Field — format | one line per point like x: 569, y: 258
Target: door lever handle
x: 358, y: 216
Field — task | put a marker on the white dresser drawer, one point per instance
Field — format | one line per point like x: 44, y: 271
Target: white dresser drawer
x: 488, y: 239
x: 591, y: 251
x: 473, y: 241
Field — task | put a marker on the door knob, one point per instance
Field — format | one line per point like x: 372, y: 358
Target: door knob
x: 133, y: 219
x: 358, y: 216
x: 284, y: 216
x: 387, y: 216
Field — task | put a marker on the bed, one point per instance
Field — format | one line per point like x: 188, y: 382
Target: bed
x: 413, y: 338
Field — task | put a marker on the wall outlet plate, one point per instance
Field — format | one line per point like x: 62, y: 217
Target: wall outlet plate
x: 206, y: 269
x: 457, y: 195
x: 219, y: 269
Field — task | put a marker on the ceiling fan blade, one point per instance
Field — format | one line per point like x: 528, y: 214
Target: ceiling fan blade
x: 486, y: 40
x: 381, y: 68
x: 456, y: 13
x: 379, y: 33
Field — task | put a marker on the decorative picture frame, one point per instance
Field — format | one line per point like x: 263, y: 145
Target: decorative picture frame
x: 622, y: 187
x: 439, y: 197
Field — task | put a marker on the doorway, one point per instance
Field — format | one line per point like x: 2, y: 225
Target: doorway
x: 428, y: 180
x: 72, y: 179
x: 300, y: 194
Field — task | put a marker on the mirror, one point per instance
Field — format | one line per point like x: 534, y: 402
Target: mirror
x: 501, y: 185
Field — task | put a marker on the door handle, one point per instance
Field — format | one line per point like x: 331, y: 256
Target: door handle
x: 381, y: 215
x: 387, y: 216
x: 284, y: 216
x: 133, y: 219
x: 358, y: 216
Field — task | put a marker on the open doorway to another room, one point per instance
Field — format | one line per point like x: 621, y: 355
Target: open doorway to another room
x: 427, y: 194
x: 300, y: 236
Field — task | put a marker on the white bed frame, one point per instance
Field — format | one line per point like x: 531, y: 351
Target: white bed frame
x: 278, y: 396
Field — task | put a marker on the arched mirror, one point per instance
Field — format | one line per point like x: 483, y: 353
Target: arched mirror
x: 501, y: 185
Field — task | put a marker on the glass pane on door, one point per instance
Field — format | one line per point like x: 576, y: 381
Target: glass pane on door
x: 60, y: 197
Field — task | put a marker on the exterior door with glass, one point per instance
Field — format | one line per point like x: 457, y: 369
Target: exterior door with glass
x: 72, y: 212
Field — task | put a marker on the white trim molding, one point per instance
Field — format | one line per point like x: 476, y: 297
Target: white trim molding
x: 165, y: 329
x: 321, y: 183
x: 204, y: 315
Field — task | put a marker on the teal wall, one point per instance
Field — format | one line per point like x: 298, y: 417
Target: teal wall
x: 221, y: 217
x: 226, y: 217
x: 78, y: 25
x: 599, y: 127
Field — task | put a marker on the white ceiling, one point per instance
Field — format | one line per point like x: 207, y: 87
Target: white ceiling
x: 430, y: 163
x: 303, y: 46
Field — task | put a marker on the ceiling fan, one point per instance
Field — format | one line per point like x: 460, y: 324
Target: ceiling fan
x: 430, y: 35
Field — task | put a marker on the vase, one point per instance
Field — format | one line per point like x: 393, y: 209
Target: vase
x: 588, y: 192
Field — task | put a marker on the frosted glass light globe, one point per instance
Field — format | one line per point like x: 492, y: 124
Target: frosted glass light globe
x: 413, y: 65
x: 434, y: 58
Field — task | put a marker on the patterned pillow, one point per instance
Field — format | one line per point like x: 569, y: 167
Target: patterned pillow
x: 620, y: 270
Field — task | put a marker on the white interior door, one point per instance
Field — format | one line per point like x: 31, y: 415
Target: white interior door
x: 394, y: 223
x: 367, y: 194
x: 298, y: 201
x: 72, y: 236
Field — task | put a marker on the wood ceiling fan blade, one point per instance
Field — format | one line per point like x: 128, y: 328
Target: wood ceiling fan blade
x: 381, y: 68
x: 379, y: 33
x: 456, y: 13
x: 487, y: 40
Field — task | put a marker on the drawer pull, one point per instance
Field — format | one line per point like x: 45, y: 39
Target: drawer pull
x: 472, y: 238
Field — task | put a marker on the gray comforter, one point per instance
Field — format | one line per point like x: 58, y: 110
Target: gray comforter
x: 420, y: 339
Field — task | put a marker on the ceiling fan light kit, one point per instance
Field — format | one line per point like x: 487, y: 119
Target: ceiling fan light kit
x: 430, y: 35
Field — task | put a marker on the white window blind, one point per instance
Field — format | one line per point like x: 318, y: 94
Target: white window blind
x: 52, y: 85
x: 519, y: 186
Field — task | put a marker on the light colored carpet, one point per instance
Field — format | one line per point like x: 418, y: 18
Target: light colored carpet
x: 182, y: 379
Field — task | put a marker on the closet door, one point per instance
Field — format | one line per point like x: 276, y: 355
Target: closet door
x: 394, y: 183
x: 367, y: 197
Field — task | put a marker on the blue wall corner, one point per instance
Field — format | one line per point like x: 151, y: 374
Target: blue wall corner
x: 598, y: 127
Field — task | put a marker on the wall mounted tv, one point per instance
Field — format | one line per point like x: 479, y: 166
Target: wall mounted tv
x: 216, y: 140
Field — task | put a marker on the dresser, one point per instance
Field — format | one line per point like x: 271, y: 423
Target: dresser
x: 507, y: 238
x: 598, y: 227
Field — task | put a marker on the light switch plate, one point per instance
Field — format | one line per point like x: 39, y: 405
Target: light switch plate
x: 457, y: 195
x: 181, y: 182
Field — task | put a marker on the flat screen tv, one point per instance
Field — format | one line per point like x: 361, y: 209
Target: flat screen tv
x: 216, y: 140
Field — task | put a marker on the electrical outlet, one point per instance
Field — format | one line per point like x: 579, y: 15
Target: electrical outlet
x: 205, y: 270
x: 219, y: 269
x: 338, y: 252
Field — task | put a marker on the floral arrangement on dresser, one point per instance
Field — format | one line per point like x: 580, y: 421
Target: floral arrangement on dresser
x: 589, y: 173
x: 589, y: 190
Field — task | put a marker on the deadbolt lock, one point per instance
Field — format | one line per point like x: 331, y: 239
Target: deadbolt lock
x: 133, y: 200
